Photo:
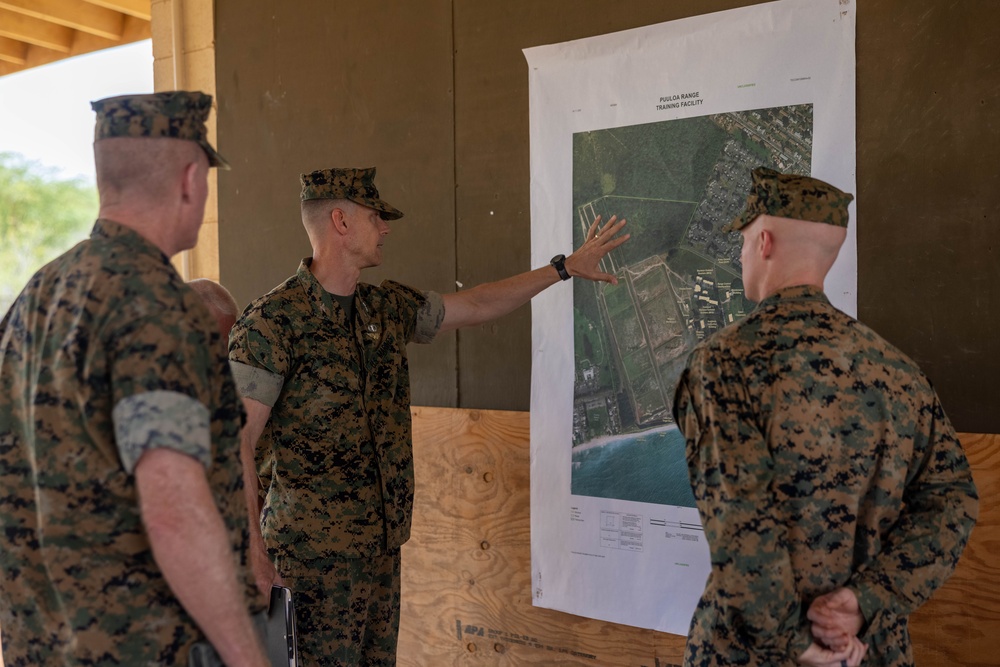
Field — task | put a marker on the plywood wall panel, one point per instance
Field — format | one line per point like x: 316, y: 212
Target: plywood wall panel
x: 466, y: 569
x: 961, y: 623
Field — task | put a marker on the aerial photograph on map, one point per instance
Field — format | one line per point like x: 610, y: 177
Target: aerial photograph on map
x: 679, y: 281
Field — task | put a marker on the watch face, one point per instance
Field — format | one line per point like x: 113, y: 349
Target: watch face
x: 557, y: 262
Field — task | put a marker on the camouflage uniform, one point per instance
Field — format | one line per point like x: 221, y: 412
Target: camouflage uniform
x: 820, y: 457
x: 105, y: 354
x: 336, y: 452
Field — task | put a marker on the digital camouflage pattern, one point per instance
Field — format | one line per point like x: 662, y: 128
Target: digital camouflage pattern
x: 337, y: 451
x: 792, y: 196
x: 176, y: 114
x: 363, y: 595
x: 109, y: 323
x: 820, y: 457
x: 161, y: 418
x: 337, y: 448
x: 356, y: 185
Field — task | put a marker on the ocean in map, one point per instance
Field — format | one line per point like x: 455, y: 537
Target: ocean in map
x: 645, y: 467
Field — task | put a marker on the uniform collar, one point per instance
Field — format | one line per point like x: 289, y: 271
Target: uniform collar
x: 794, y: 293
x: 118, y: 233
x: 320, y: 299
x: 323, y: 303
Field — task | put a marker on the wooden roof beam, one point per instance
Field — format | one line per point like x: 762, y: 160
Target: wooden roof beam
x: 13, y: 51
x: 35, y: 31
x: 9, y: 68
x: 71, y: 14
x: 140, y: 9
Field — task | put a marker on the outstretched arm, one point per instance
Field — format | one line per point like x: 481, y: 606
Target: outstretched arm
x: 492, y: 300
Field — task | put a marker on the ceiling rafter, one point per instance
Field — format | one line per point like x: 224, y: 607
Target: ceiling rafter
x: 71, y: 14
x: 13, y: 51
x: 140, y: 9
x: 37, y: 32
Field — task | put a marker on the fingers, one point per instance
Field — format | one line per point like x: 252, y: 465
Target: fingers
x: 843, y: 599
x: 607, y: 233
x: 600, y: 241
x: 857, y: 653
x: 592, y: 232
x: 608, y: 278
x: 616, y: 241
x: 838, y: 643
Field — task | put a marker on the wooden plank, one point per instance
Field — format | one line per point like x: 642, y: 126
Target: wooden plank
x: 140, y: 9
x: 134, y: 31
x: 13, y: 51
x: 467, y: 567
x: 36, y: 56
x: 9, y: 68
x: 35, y: 31
x: 960, y: 625
x: 72, y: 14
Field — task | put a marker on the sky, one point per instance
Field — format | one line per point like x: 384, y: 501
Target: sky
x: 45, y: 112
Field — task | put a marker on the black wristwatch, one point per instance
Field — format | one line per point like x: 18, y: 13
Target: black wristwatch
x: 559, y: 261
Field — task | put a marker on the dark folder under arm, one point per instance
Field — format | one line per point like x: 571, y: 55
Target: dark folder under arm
x: 279, y: 630
x: 276, y: 627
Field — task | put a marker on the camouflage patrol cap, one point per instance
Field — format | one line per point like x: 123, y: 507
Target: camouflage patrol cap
x: 356, y: 185
x: 792, y: 196
x: 178, y: 114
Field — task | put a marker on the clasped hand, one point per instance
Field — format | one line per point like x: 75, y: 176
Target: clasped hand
x: 836, y: 621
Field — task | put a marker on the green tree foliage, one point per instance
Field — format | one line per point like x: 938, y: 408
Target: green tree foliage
x: 41, y: 216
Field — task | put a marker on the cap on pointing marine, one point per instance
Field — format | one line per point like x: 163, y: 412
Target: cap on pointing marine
x: 792, y: 196
x: 356, y: 185
x: 178, y: 114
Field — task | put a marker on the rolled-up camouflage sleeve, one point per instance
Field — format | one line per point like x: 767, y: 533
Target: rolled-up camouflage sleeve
x: 159, y: 418
x: 257, y: 383
x: 429, y: 318
x: 752, y: 583
x: 161, y: 380
x: 422, y: 311
x: 258, y: 357
x: 923, y: 547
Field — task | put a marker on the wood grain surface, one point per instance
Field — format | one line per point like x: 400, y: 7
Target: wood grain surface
x: 467, y: 568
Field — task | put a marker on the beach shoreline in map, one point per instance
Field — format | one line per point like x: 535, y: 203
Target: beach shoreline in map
x: 613, y: 439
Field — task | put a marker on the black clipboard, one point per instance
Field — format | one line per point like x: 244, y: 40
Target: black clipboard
x: 276, y: 628
x: 280, y: 640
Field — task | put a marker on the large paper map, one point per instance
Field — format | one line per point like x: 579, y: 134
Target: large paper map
x: 660, y: 125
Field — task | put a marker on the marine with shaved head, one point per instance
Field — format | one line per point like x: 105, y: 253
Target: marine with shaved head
x: 834, y: 494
